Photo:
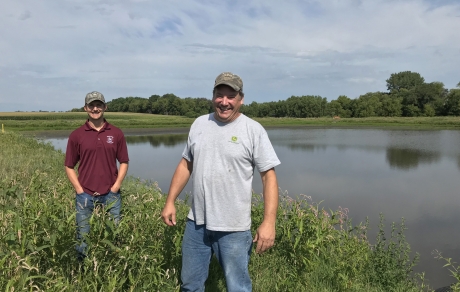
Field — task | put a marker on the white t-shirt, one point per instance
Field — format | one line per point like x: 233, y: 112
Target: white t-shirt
x: 224, y: 156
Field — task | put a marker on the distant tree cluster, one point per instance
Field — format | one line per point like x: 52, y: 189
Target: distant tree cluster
x: 408, y: 96
x: 168, y: 104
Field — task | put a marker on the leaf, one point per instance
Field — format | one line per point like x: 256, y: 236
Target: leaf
x: 109, y: 244
x: 42, y: 247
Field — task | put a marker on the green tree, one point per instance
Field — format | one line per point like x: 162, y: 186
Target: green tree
x: 404, y: 80
x: 118, y: 105
x: 160, y: 107
x: 367, y: 105
x: 335, y: 108
x: 411, y: 110
x: 452, y: 104
x: 138, y: 105
x: 429, y: 94
x: 79, y: 109
x: 390, y: 106
x: 203, y: 106
x: 251, y: 110
x: 340, y: 107
x: 152, y: 99
x: 174, y: 104
x: 281, y: 108
x: 307, y: 106
x: 428, y: 110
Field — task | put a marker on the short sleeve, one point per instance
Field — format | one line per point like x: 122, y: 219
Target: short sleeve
x: 187, y: 153
x: 264, y: 154
x: 122, y: 149
x: 71, y: 155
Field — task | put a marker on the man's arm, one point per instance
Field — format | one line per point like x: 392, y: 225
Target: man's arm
x: 265, y: 236
x: 72, y: 176
x: 121, y: 176
x: 179, y: 180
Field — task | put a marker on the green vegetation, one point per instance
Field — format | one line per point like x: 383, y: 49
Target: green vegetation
x: 69, y: 121
x: 18, y: 121
x: 315, y: 250
x: 374, y: 122
x: 408, y: 96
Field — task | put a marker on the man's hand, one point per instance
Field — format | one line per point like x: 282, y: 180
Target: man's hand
x: 121, y: 176
x: 180, y: 178
x: 115, y: 188
x: 73, y: 178
x: 169, y: 214
x: 265, y: 237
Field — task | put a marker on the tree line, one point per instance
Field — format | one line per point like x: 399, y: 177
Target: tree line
x: 408, y: 96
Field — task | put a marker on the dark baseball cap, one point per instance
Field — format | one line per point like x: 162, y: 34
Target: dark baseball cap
x: 230, y: 79
x: 92, y: 96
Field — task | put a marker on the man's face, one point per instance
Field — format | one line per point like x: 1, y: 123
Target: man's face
x: 226, y: 102
x: 95, y: 109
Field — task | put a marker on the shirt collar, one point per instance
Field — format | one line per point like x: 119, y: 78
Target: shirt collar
x: 106, y: 126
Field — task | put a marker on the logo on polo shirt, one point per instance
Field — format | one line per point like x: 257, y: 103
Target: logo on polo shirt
x: 110, y: 139
x: 234, y: 139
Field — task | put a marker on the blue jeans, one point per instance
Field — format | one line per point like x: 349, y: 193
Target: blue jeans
x: 85, y: 204
x: 232, y: 250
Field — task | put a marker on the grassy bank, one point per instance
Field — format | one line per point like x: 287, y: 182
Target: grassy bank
x: 18, y: 121
x: 70, y: 121
x: 315, y: 250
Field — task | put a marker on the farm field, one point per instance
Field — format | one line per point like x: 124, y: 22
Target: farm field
x: 44, y: 121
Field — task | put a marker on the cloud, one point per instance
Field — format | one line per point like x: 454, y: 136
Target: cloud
x: 25, y: 15
x: 139, y: 48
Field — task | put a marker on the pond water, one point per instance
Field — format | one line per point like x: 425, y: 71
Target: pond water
x: 399, y: 173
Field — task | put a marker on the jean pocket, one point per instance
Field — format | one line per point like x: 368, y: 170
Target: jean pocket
x: 115, y: 193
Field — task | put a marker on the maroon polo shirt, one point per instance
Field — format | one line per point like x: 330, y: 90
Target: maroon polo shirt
x: 97, y: 153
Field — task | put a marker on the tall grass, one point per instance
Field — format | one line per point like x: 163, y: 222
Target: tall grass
x: 315, y: 250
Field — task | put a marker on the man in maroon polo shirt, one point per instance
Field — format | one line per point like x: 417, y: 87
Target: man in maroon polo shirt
x: 96, y: 145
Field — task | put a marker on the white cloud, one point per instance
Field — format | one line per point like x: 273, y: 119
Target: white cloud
x: 60, y: 50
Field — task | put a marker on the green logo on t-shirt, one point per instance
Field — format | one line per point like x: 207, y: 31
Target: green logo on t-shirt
x: 234, y: 139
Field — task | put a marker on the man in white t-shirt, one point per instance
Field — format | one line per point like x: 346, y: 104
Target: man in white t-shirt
x: 222, y: 150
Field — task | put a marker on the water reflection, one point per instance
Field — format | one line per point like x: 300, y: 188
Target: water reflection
x: 306, y: 147
x: 400, y: 173
x: 158, y: 140
x: 407, y: 159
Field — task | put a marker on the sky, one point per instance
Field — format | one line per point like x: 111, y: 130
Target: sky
x: 52, y: 53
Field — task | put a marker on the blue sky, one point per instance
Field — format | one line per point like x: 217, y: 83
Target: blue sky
x: 54, y: 52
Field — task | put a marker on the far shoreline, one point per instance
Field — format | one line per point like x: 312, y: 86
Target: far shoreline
x: 44, y: 125
x: 49, y: 134
x: 53, y: 134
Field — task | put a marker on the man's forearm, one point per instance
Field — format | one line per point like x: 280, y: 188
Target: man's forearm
x: 179, y: 180
x: 271, y: 197
x: 72, y: 176
x: 121, y: 176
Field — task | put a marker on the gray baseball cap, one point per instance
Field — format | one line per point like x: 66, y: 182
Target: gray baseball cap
x: 92, y: 96
x: 230, y: 79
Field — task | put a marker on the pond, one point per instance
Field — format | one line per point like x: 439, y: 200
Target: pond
x: 410, y: 174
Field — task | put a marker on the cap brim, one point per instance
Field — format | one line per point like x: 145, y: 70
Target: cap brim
x: 90, y: 101
x: 236, y: 88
